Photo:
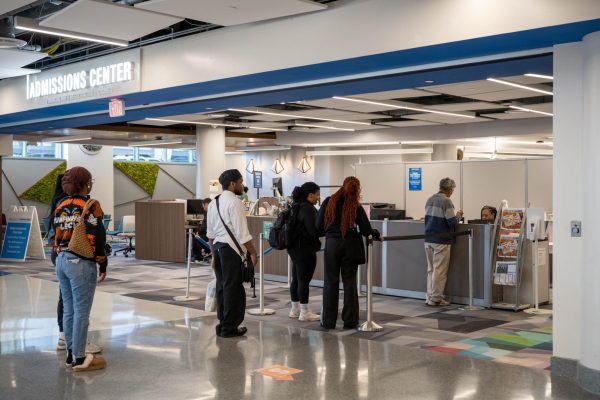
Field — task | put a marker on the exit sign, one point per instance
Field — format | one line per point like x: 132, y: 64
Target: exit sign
x: 116, y: 108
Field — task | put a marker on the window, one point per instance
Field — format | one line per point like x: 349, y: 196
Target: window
x: 178, y: 156
x: 122, y: 153
x: 19, y: 149
x: 150, y: 154
x: 37, y: 150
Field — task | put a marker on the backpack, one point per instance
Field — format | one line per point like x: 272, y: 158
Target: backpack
x: 283, y: 232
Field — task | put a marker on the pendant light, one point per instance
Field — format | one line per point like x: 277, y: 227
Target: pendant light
x: 304, y: 165
x: 251, y: 167
x: 277, y: 167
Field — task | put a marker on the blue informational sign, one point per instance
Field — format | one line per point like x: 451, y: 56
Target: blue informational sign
x: 257, y: 179
x: 415, y: 179
x: 16, y: 240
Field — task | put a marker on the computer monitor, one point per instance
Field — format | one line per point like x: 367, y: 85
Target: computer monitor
x: 195, y: 207
x: 383, y: 213
x: 277, y: 187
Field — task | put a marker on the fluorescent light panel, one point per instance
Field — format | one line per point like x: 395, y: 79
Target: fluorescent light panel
x: 216, y: 124
x: 426, y: 110
x: 265, y: 148
x: 63, y: 139
x: 325, y: 127
x: 28, y: 24
x: 362, y: 152
x: 540, y: 76
x: 348, y: 144
x: 520, y: 86
x: 531, y: 110
x: 156, y: 143
x: 299, y: 116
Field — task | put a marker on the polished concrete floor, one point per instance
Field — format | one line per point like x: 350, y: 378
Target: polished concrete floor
x: 162, y: 351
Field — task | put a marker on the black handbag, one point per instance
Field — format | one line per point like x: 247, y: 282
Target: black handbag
x: 247, y: 265
x: 354, y: 245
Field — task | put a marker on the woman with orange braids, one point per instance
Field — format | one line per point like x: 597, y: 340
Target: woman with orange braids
x: 343, y: 222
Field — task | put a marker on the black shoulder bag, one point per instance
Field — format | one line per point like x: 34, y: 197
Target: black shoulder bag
x: 247, y: 265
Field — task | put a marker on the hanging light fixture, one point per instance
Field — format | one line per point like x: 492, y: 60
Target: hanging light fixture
x: 304, y: 165
x: 277, y: 167
x: 251, y: 167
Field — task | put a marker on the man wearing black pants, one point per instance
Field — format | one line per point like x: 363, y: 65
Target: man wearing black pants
x: 227, y: 227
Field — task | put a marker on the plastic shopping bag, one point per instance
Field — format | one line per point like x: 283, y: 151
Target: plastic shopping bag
x: 211, y: 293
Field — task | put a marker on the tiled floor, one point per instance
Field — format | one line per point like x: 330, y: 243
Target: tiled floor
x: 493, y: 335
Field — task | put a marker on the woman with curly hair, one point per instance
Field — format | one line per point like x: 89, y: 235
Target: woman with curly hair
x: 341, y: 220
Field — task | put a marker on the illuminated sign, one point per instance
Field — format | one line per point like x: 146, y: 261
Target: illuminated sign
x: 94, y: 77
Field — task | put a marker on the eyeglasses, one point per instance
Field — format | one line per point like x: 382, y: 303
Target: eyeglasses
x: 92, y: 181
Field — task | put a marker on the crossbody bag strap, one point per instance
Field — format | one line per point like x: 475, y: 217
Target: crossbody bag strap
x: 86, y: 208
x: 229, y: 231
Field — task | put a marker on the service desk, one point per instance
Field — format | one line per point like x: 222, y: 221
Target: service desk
x: 400, y: 267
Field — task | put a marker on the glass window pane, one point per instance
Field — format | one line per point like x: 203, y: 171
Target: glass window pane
x: 41, y: 150
x: 122, y: 153
x: 179, y: 156
x: 18, y: 148
x: 150, y: 154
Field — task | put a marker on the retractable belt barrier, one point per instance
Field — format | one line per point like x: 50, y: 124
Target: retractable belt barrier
x: 261, y: 310
x: 370, y: 325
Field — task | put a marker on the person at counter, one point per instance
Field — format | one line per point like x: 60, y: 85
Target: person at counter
x: 244, y: 196
x: 337, y: 220
x: 489, y: 213
x: 439, y: 218
x: 303, y: 249
x: 226, y: 214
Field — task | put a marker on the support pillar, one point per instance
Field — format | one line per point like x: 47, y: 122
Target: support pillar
x: 444, y: 152
x: 210, y: 148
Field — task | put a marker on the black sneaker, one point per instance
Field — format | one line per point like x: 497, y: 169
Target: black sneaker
x: 218, y: 329
x: 238, y: 332
x: 69, y: 361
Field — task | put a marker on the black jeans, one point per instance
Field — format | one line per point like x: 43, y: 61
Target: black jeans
x: 336, y: 264
x: 231, y: 295
x: 304, y: 262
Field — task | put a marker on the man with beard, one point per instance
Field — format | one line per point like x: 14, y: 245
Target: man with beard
x: 227, y: 228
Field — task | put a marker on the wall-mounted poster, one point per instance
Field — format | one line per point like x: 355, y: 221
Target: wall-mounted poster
x: 415, y: 179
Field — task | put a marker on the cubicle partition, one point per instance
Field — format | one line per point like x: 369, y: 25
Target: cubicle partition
x: 160, y: 231
x: 400, y: 267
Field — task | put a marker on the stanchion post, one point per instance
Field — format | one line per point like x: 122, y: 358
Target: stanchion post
x: 359, y: 283
x: 189, y: 260
x: 289, y: 273
x: 261, y: 288
x: 370, y: 325
x: 471, y: 307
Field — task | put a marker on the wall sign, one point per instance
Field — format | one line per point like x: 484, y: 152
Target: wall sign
x: 257, y: 179
x: 103, y: 75
x: 415, y: 179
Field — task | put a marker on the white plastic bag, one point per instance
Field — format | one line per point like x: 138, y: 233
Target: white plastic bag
x: 211, y: 293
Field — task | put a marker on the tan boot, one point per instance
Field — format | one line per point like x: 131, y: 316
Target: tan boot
x: 91, y: 363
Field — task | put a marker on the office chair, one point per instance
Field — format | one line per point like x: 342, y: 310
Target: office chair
x: 128, y: 227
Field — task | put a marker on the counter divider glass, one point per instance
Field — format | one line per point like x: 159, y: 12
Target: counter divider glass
x: 400, y: 267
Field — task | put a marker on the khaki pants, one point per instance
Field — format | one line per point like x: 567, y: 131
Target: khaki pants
x: 438, y: 261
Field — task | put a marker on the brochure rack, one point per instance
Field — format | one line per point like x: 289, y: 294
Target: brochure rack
x: 508, y: 257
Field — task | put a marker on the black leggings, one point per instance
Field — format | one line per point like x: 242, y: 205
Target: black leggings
x: 304, y: 263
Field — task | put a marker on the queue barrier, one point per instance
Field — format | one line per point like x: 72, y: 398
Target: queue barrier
x: 261, y: 310
x: 187, y: 296
x: 369, y: 325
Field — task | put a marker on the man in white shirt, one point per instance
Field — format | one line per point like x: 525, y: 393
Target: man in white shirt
x: 227, y: 259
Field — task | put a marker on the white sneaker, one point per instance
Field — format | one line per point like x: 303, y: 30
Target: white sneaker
x: 308, y: 315
x: 91, y: 348
x: 61, y: 345
x: 295, y: 310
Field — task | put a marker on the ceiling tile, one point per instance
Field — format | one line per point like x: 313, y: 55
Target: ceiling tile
x: 395, y: 94
x: 409, y: 123
x: 445, y: 119
x: 231, y: 12
x: 11, y: 58
x: 466, y: 89
x: 468, y: 106
x: 505, y: 95
x: 342, y: 125
x: 11, y: 5
x: 346, y: 105
x: 526, y: 80
x: 101, y: 18
x: 515, y: 115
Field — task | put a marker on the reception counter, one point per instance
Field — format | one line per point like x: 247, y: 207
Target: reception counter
x: 400, y: 267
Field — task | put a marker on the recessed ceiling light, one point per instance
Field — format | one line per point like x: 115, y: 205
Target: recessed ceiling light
x: 540, y: 76
x: 531, y: 110
x: 429, y: 81
x: 425, y: 110
x: 298, y: 116
x: 520, y: 86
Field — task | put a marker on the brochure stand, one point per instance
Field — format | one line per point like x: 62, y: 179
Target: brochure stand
x: 23, y: 237
x: 508, y: 257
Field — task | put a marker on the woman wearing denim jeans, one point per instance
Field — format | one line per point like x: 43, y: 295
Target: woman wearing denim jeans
x: 78, y: 275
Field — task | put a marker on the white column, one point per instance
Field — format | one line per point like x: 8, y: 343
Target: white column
x: 101, y: 167
x: 590, y: 356
x: 444, y: 152
x: 576, y: 198
x: 210, y: 147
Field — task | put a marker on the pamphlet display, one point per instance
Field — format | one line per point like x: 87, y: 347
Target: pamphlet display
x: 23, y: 237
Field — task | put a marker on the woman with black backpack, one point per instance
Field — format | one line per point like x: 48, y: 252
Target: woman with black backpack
x: 303, y: 248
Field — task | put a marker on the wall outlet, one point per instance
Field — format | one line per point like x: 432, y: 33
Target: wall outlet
x: 575, y: 228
